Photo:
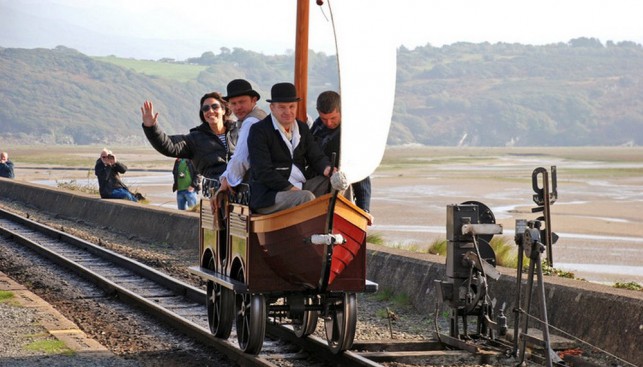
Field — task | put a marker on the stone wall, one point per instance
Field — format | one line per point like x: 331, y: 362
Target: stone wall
x: 603, y: 316
x: 149, y: 223
x: 609, y: 318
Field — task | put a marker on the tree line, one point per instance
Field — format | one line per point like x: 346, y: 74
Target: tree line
x: 567, y: 94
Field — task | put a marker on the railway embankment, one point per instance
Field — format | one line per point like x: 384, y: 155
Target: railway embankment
x: 146, y: 222
x: 606, y: 317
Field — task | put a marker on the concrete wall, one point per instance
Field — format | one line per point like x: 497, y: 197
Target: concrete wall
x: 603, y: 316
x: 149, y: 223
x: 609, y: 318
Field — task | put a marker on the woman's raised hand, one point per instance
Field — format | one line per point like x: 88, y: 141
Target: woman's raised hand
x: 147, y: 112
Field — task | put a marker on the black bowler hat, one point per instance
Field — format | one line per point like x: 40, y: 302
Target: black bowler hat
x: 240, y: 87
x: 283, y: 92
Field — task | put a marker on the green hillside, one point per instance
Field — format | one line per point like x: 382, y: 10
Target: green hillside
x: 576, y: 93
x: 164, y: 69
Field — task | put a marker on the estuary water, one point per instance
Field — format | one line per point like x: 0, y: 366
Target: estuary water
x: 598, y: 217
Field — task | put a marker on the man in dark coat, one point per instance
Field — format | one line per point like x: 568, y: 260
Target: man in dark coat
x: 108, y: 172
x: 6, y: 166
x: 280, y: 148
x: 327, y: 132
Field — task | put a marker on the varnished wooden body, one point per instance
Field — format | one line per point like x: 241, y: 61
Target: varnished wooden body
x: 274, y: 254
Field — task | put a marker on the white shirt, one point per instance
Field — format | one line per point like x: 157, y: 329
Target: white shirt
x: 239, y: 164
x: 297, y: 177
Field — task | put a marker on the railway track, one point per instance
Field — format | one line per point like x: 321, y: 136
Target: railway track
x: 181, y: 305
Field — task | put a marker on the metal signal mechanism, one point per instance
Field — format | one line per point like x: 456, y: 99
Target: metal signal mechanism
x: 533, y: 240
x: 470, y: 262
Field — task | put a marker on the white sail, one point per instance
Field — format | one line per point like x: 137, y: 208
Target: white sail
x: 367, y: 67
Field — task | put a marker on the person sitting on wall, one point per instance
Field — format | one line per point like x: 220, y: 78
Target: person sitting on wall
x: 108, y: 172
x: 6, y: 166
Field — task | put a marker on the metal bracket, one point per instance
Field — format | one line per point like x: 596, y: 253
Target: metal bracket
x: 327, y: 239
x: 483, y: 228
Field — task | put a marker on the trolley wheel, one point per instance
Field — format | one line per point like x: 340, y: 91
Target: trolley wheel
x: 251, y: 320
x: 220, y: 305
x: 341, y: 323
x: 308, y: 322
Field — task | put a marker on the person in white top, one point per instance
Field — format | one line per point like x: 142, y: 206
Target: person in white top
x: 242, y: 99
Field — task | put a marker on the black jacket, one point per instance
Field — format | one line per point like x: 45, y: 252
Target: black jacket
x: 201, y: 145
x: 271, y: 162
x: 328, y: 140
x: 109, y: 177
x: 6, y: 170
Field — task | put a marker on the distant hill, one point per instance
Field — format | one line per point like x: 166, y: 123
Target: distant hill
x: 576, y: 93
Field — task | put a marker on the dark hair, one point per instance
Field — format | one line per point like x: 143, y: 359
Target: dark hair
x: 328, y: 102
x: 222, y: 102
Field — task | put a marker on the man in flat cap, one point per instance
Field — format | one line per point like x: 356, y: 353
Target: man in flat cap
x: 281, y: 147
x: 242, y: 100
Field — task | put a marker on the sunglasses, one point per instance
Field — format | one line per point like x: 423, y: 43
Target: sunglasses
x: 103, y: 156
x: 214, y: 107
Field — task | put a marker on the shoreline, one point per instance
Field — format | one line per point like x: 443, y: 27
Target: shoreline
x: 597, y: 213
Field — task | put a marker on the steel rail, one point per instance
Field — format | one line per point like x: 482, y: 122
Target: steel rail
x: 182, y: 305
x: 172, y: 301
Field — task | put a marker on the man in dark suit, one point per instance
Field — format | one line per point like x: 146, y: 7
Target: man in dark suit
x: 327, y: 129
x: 280, y: 148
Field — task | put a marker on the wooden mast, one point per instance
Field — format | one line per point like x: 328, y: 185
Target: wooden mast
x: 301, y: 56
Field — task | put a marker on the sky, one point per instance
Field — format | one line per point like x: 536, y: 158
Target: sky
x: 142, y: 28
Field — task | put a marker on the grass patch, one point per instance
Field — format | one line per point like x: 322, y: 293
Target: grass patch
x: 506, y: 252
x: 6, y: 297
x: 74, y: 185
x: 375, y: 238
x: 548, y: 270
x: 408, y: 246
x: 383, y: 295
x: 382, y: 313
x: 506, y: 255
x: 196, y: 208
x: 388, y: 295
x: 413, y: 247
x: 49, y: 346
x: 401, y: 299
x: 438, y: 247
x: 167, y: 70
x: 140, y: 196
x: 633, y: 286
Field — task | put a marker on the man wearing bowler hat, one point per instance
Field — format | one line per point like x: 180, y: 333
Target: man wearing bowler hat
x: 242, y: 100
x: 280, y: 148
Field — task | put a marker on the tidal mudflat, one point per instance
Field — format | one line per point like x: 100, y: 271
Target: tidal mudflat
x: 598, y: 212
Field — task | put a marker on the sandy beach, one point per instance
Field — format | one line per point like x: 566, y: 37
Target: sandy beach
x: 597, y: 213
